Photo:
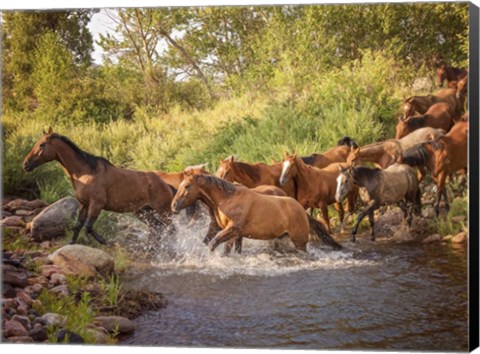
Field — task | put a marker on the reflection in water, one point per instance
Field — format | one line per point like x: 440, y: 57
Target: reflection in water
x: 382, y: 296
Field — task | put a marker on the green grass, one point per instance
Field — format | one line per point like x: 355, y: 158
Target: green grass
x: 444, y: 224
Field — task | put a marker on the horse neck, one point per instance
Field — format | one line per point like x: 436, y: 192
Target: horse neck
x: 374, y: 151
x: 243, y: 177
x: 213, y: 196
x: 71, y: 163
x: 173, y: 179
x: 304, y: 174
x: 364, y: 181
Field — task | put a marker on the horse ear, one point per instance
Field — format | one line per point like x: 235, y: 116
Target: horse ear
x: 404, y: 99
x: 231, y: 158
x: 50, y: 130
x: 355, y: 149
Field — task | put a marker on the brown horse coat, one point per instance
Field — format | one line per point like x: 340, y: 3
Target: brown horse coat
x: 98, y: 185
x: 437, y: 116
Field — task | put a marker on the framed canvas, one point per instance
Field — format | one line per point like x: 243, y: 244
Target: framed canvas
x: 255, y: 175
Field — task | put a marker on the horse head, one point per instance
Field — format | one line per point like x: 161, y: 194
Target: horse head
x: 345, y: 182
x: 402, y: 128
x: 187, y: 192
x: 225, y: 169
x: 43, y: 151
x: 354, y: 156
x: 289, y: 168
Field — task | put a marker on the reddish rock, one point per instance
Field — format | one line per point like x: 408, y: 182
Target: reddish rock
x: 16, y: 204
x: 57, y: 279
x: 13, y: 221
x: 42, y: 280
x: 20, y: 339
x: 23, y: 320
x: 15, y: 276
x: 24, y: 297
x: 6, y: 214
x: 47, y: 270
x: 23, y: 212
x: 9, y: 304
x: 13, y: 328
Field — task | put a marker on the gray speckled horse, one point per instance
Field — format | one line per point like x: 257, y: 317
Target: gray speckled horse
x: 396, y: 184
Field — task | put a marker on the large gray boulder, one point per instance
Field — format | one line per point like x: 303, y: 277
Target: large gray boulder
x: 82, y: 260
x: 54, y: 220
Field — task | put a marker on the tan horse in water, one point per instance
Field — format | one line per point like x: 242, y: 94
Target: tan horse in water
x: 316, y: 187
x: 98, y: 185
x: 382, y: 154
x: 442, y: 157
x: 245, y: 213
x: 396, y: 184
x: 253, y: 175
x: 438, y: 116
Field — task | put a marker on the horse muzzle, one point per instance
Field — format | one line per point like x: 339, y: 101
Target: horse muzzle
x: 283, y: 180
x: 28, y: 166
x: 176, y: 206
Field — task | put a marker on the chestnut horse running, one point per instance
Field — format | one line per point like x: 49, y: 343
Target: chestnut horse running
x: 316, y: 187
x: 245, y: 213
x: 98, y: 185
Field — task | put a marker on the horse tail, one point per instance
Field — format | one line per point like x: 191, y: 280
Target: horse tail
x: 347, y: 141
x: 415, y: 156
x: 318, y: 229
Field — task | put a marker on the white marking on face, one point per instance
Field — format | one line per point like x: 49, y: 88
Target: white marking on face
x: 182, y: 184
x: 339, y: 187
x: 285, y: 166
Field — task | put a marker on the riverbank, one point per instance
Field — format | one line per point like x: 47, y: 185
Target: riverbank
x: 54, y: 292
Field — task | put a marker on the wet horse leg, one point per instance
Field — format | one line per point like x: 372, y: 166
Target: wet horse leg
x: 238, y: 245
x: 372, y: 224
x: 361, y: 215
x: 223, y: 236
x: 341, y: 214
x: 324, y: 208
x: 94, y: 210
x: 441, y: 191
x: 82, y: 215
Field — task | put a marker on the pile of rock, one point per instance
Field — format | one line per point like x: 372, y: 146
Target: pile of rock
x: 21, y: 308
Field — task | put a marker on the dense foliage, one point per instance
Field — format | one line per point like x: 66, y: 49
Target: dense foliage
x: 181, y: 86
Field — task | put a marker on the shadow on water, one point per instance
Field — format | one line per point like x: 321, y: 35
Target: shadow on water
x: 367, y: 296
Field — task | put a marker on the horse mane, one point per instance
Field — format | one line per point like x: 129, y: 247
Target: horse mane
x: 91, y: 160
x: 416, y: 122
x: 366, y: 173
x: 250, y: 170
x: 417, y: 155
x: 347, y: 141
x: 309, y: 160
x: 220, y: 183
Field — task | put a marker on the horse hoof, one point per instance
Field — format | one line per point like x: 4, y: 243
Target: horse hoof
x: 352, y: 239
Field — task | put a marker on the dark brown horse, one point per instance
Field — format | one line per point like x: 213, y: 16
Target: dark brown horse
x: 242, y: 212
x: 253, y: 175
x: 98, y: 185
x: 449, y: 73
x: 437, y: 116
x: 315, y: 187
x: 442, y: 157
x: 396, y: 184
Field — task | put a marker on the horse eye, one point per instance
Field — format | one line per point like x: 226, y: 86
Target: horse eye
x: 42, y: 145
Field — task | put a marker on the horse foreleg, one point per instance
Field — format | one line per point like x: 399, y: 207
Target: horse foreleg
x: 94, y: 210
x: 238, y: 245
x: 440, y: 191
x: 82, y: 215
x: 372, y: 224
x: 361, y: 215
x: 341, y: 214
x: 223, y: 236
x: 326, y: 219
x: 213, y: 229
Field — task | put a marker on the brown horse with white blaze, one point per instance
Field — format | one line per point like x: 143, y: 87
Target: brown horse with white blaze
x: 99, y: 185
x: 315, y: 187
x: 245, y: 213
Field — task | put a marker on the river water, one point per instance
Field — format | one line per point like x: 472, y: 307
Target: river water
x: 378, y: 295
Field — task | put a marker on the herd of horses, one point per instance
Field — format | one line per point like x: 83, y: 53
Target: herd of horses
x: 268, y: 201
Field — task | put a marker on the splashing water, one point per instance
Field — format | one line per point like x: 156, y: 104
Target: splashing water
x: 182, y: 250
